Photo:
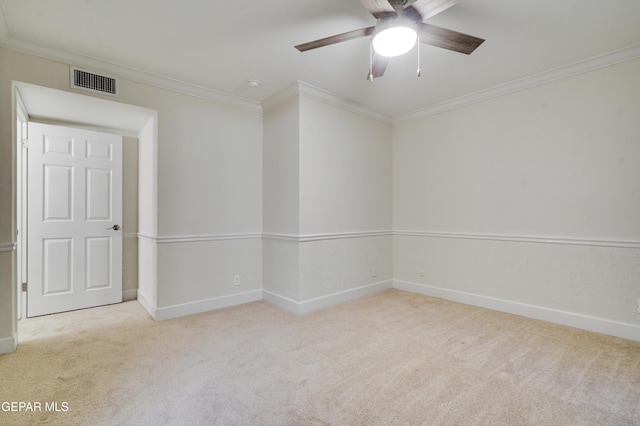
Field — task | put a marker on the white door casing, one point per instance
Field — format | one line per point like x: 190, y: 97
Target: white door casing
x: 74, y: 201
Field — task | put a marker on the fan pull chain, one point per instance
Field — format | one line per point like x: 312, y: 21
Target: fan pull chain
x: 418, y: 43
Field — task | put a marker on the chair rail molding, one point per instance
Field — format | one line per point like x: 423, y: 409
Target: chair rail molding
x: 7, y: 247
x: 303, y: 238
x: 521, y: 238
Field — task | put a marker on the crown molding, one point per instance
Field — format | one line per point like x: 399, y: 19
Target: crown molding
x: 280, y: 97
x: 43, y: 50
x: 313, y: 92
x: 580, y: 67
x: 300, y: 88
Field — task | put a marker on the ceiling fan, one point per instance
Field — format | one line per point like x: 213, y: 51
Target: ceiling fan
x: 399, y: 24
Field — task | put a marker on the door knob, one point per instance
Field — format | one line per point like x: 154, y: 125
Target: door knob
x: 115, y: 227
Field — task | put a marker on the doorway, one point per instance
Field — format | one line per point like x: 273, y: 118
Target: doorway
x: 81, y: 111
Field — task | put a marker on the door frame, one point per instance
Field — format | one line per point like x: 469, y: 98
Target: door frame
x: 145, y: 129
x: 21, y: 132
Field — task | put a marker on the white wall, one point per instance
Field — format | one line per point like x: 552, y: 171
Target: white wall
x: 209, y: 201
x: 281, y: 174
x: 526, y: 203
x: 327, y: 192
x: 345, y: 203
x: 345, y: 170
x: 531, y: 198
x: 281, y: 199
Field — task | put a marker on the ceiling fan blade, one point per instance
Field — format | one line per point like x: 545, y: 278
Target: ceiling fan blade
x: 378, y: 66
x: 349, y: 35
x: 422, y: 10
x: 379, y: 8
x: 448, y: 39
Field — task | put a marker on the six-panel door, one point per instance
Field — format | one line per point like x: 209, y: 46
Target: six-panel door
x: 74, y: 201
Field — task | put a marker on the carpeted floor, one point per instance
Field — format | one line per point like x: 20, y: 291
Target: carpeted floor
x: 394, y: 358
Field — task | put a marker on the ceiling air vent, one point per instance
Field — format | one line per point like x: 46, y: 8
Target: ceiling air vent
x: 92, y: 82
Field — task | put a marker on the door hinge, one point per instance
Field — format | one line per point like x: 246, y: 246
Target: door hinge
x: 24, y: 286
x: 25, y: 143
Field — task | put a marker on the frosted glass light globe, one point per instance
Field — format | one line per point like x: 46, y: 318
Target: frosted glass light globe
x: 395, y: 37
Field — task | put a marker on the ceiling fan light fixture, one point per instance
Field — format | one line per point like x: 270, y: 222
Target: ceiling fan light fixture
x: 394, y: 37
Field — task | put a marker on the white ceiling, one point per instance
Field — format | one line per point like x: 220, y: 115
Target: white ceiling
x: 219, y: 45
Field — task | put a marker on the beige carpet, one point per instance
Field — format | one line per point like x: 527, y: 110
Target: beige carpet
x: 394, y: 358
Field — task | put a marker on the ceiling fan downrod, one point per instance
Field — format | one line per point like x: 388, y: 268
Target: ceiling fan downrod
x: 398, y: 5
x: 370, y: 76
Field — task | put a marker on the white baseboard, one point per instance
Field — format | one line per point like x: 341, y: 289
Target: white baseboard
x: 7, y: 345
x: 147, y: 305
x: 584, y: 322
x: 200, y: 306
x: 281, y: 302
x: 129, y: 295
x: 324, y: 301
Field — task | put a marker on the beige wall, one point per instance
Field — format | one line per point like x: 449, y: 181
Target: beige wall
x: 129, y: 216
x: 209, y: 186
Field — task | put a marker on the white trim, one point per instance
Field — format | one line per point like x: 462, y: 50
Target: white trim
x: 343, y: 235
x: 284, y: 237
x: 190, y: 308
x: 7, y: 247
x: 328, y: 236
x: 580, y: 67
x: 130, y: 294
x: 203, y: 238
x: 343, y: 296
x: 327, y: 301
x: 403, y: 233
x: 300, y: 88
x: 522, y: 238
x: 584, y: 322
x: 306, y: 89
x: 149, y: 238
x: 280, y: 97
x: 281, y: 302
x: 8, y: 345
x: 146, y: 304
x: 175, y: 239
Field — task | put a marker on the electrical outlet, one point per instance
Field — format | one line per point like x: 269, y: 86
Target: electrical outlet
x: 374, y: 271
x: 236, y: 280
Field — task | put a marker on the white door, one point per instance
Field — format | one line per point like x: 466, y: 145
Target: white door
x: 74, y: 219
